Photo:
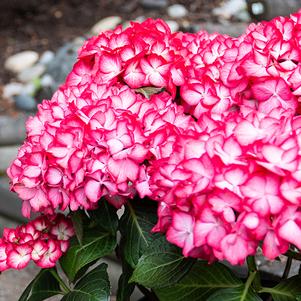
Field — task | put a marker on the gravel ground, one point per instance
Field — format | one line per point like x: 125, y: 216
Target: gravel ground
x: 25, y: 24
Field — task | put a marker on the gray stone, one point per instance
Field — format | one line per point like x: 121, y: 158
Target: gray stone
x: 230, y: 8
x: 177, y: 11
x: 8, y: 223
x: 46, y: 57
x: 10, y: 205
x: 44, y: 93
x: 4, y: 182
x: 31, y: 73
x: 29, y: 89
x: 140, y: 19
x: 256, y: 8
x: 12, y: 89
x: 129, y: 6
x: 186, y: 26
x: 269, y: 9
x: 25, y: 102
x: 7, y: 155
x: 78, y: 41
x: 173, y: 25
x: 21, y: 61
x: 243, y: 16
x: 47, y: 80
x: 62, y: 63
x: 13, y: 282
x: 276, y: 267
x: 126, y: 24
x: 12, y: 130
x: 231, y: 29
x: 154, y: 4
x: 108, y: 23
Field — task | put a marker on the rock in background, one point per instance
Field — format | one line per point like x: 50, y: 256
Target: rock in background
x: 269, y: 9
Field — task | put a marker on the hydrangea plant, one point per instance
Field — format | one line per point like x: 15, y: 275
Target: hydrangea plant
x: 196, y: 138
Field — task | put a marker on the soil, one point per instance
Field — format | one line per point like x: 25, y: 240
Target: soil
x: 47, y: 24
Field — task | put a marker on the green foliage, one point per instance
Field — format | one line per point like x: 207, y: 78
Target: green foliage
x: 201, y: 281
x: 77, y: 221
x: 125, y: 288
x: 43, y: 286
x: 162, y: 264
x: 148, y: 261
x: 105, y: 216
x: 94, y: 286
x: 149, y: 91
x: 98, y: 240
x: 135, y: 226
x: 235, y: 294
x: 287, y: 290
x: 96, y: 244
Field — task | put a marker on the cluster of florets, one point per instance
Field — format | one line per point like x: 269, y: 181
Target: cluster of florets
x: 42, y: 240
x: 215, y: 140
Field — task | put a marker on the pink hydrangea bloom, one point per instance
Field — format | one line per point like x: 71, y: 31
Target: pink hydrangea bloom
x: 216, y: 144
x: 42, y: 240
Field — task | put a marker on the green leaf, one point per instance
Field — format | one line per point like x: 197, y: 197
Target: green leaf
x: 105, y: 216
x: 201, y: 281
x: 235, y: 294
x: 83, y: 270
x: 99, y: 239
x: 287, y: 290
x: 43, y: 286
x: 77, y: 220
x: 161, y: 265
x: 95, y: 245
x: 135, y: 227
x: 149, y: 91
x: 94, y: 286
x: 125, y: 289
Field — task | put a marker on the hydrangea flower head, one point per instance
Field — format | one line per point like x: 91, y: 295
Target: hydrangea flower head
x: 206, y: 125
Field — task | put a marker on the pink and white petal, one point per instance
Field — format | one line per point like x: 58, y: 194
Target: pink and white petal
x: 3, y: 255
x: 53, y: 176
x: 115, y: 146
x: 183, y: 221
x: 201, y: 232
x: 38, y: 250
x: 188, y: 245
x: 291, y: 191
x: 32, y: 171
x: 123, y: 170
x: 55, y: 197
x: 246, y: 133
x: 176, y: 237
x: 291, y: 232
x: 215, y: 237
x: 93, y: 190
x: 19, y: 257
x: 270, y: 246
x: 109, y: 64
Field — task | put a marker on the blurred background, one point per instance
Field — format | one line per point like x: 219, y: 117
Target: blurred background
x: 39, y: 40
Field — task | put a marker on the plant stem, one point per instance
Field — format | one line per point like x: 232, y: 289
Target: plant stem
x: 293, y: 255
x: 253, y: 269
x: 65, y: 288
x: 287, y: 267
x: 248, y: 284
